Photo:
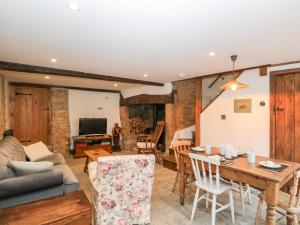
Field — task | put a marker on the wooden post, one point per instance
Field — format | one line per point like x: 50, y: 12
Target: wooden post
x: 263, y: 71
x: 198, y: 107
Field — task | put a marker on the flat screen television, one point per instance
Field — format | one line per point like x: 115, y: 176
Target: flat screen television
x: 92, y: 126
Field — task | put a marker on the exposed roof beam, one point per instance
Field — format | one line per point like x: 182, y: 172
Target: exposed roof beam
x: 58, y: 86
x: 69, y: 73
x: 215, y: 80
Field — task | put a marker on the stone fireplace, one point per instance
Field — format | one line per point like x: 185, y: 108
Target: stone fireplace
x: 139, y: 119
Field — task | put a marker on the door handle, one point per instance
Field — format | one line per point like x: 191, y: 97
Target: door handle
x: 278, y: 109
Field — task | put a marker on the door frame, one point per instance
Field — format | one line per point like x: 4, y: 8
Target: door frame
x: 273, y: 74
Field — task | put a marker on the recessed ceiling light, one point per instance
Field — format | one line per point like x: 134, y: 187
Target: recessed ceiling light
x: 73, y: 6
x: 145, y: 75
x: 53, y: 60
x: 116, y: 85
x: 47, y: 77
x: 212, y: 54
x: 181, y: 75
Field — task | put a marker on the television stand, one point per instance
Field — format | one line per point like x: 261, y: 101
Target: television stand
x: 91, y: 142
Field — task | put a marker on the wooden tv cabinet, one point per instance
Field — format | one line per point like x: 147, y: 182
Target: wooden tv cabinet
x: 94, y: 142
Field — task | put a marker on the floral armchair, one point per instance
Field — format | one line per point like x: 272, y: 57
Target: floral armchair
x: 121, y: 189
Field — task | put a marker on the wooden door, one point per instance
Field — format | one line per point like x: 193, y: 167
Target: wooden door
x: 285, y: 115
x: 29, y: 114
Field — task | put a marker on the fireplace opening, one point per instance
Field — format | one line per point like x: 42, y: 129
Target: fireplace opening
x: 146, y: 116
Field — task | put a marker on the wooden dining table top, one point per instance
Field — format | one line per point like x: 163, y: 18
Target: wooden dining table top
x: 241, y: 164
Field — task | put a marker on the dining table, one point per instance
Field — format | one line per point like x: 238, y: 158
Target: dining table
x: 239, y: 170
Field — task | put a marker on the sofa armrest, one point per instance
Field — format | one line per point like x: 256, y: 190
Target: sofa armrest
x: 29, y: 183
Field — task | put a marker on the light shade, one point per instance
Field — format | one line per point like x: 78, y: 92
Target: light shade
x: 233, y: 85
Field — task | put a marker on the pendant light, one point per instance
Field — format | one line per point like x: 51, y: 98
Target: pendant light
x: 233, y: 85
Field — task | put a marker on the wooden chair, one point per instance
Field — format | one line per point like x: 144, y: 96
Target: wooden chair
x: 148, y: 143
x: 288, y: 204
x: 211, y: 184
x: 177, y: 147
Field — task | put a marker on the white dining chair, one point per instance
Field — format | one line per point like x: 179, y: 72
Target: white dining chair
x: 210, y: 184
x: 242, y: 188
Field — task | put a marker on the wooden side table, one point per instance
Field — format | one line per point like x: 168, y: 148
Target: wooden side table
x: 72, y: 208
x: 93, y: 155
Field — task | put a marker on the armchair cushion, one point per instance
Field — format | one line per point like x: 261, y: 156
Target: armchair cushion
x: 25, y: 184
x: 145, y: 145
x: 122, y: 189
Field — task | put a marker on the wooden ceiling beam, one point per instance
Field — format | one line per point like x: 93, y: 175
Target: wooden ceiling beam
x: 22, y: 84
x: 147, y: 99
x: 215, y: 81
x: 263, y: 71
x: 10, y: 66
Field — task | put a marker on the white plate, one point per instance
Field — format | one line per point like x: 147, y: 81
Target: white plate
x: 269, y: 165
x: 198, y: 149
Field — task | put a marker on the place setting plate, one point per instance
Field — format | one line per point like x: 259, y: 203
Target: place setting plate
x: 198, y: 149
x: 270, y: 165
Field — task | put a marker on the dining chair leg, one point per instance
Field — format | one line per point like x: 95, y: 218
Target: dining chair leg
x: 195, y: 203
x: 295, y: 219
x: 213, y: 209
x: 190, y: 187
x: 259, y: 209
x: 176, y: 180
x: 231, y: 205
x: 249, y: 193
x: 242, y: 198
x: 207, y: 197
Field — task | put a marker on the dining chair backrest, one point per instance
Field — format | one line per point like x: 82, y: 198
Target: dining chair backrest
x: 158, y: 131
x: 180, y: 146
x: 203, y: 164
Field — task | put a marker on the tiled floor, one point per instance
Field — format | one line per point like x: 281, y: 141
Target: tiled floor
x: 165, y: 208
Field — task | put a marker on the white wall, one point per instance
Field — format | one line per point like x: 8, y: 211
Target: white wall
x: 88, y: 104
x: 249, y: 129
x: 150, y: 90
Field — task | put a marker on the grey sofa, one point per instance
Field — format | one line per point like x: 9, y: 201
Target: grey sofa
x: 15, y: 190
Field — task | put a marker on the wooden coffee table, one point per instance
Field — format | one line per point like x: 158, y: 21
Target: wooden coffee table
x: 72, y: 208
x: 94, y: 155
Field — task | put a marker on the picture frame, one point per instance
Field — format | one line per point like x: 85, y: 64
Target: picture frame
x: 243, y: 105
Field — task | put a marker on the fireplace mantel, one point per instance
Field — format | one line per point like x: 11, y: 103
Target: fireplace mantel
x: 147, y: 99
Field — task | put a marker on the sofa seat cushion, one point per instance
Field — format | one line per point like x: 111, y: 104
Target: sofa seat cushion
x: 37, y: 151
x: 30, y: 183
x: 69, y: 177
x: 56, y: 158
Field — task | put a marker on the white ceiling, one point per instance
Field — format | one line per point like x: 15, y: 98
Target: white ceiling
x: 162, y: 38
x: 65, y: 81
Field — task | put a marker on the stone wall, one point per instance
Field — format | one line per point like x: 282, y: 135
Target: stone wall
x: 128, y: 138
x: 181, y: 114
x: 2, y: 105
x: 60, y: 125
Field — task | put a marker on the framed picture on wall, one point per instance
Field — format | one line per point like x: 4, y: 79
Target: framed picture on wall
x: 243, y: 105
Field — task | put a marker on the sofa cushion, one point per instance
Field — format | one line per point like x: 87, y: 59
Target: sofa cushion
x: 25, y: 168
x: 69, y: 177
x: 6, y: 172
x: 11, y: 150
x: 37, y: 151
x: 56, y: 158
x: 30, y: 183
